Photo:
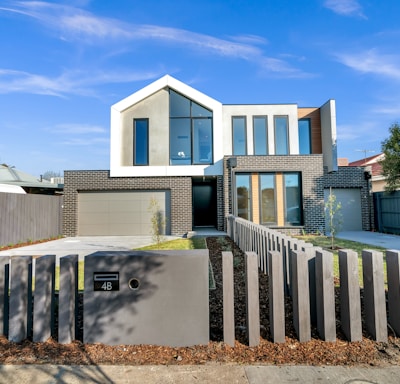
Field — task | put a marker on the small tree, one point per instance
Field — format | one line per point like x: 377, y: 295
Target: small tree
x: 391, y: 161
x: 158, y: 221
x: 333, y: 212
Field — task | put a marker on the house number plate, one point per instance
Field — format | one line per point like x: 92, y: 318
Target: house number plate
x: 106, y: 281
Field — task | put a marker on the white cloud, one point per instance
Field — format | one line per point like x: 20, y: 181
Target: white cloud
x: 69, y: 82
x: 345, y: 7
x: 373, y: 62
x: 79, y: 25
x: 78, y: 129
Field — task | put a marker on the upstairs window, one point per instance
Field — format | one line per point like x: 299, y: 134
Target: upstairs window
x: 140, y: 142
x: 305, y: 136
x: 239, y: 135
x: 281, y: 135
x: 260, y: 135
x: 190, y: 131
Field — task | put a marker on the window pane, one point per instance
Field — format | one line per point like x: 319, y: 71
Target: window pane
x: 141, y: 140
x: 179, y: 106
x: 293, y: 199
x: 260, y: 135
x: 180, y: 141
x: 305, y: 136
x: 202, y: 141
x: 267, y: 186
x: 199, y: 111
x: 243, y: 196
x: 281, y: 135
x: 239, y: 136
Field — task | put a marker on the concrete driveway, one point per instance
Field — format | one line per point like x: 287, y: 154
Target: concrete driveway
x: 83, y: 245
x: 372, y: 238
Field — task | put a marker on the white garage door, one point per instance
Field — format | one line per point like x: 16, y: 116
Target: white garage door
x: 118, y: 213
x: 350, y: 199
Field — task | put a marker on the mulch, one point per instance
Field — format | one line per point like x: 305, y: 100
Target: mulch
x: 314, y: 352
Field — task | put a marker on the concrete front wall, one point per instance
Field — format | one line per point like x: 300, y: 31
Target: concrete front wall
x: 312, y: 174
x: 180, y: 190
x: 289, y: 110
x: 353, y: 177
x: 156, y: 109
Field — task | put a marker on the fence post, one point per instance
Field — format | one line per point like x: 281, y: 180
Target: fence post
x: 325, y: 295
x: 350, y: 306
x: 4, y: 298
x: 301, y: 296
x: 374, y: 295
x: 276, y: 297
x: 228, y: 298
x: 252, y: 300
x: 20, y: 320
x: 43, y: 305
x: 68, y: 299
x: 393, y: 279
x: 310, y: 252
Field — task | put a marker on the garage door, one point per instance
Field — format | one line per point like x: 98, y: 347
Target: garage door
x: 119, y: 213
x: 350, y: 199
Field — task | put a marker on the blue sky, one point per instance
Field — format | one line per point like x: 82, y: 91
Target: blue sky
x: 64, y: 63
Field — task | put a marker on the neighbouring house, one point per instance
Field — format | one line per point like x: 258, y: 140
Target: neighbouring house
x: 201, y: 160
x: 373, y: 167
x: 13, y: 180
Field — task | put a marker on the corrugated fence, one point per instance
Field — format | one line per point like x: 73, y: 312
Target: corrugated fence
x: 29, y: 217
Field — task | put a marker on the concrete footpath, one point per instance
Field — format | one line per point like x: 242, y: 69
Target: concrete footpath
x: 187, y: 374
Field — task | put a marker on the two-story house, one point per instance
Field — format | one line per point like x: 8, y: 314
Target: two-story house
x: 201, y: 160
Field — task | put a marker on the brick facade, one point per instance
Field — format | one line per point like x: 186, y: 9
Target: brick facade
x: 180, y: 188
x: 312, y: 174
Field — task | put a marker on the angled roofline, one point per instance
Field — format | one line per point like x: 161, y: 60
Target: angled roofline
x: 164, y: 82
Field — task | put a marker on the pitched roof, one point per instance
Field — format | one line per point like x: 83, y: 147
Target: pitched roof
x: 372, y: 161
x: 12, y: 176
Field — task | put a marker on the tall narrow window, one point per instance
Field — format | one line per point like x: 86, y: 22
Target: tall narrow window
x: 141, y: 142
x: 305, y: 136
x: 243, y: 206
x: 267, y: 196
x: 239, y: 135
x: 260, y: 136
x: 292, y: 199
x: 281, y: 135
x: 190, y: 130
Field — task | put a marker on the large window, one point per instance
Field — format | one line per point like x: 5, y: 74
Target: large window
x: 305, y: 136
x: 260, y: 135
x: 281, y: 135
x: 268, y: 200
x: 292, y: 199
x: 140, y: 142
x: 190, y: 130
x: 271, y: 198
x: 243, y: 206
x: 239, y: 135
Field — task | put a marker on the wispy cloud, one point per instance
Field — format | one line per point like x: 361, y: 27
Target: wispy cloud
x: 76, y: 24
x: 74, y: 129
x: 345, y: 7
x: 69, y: 82
x: 374, y: 62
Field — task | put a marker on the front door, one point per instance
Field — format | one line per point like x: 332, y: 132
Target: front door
x: 204, y: 203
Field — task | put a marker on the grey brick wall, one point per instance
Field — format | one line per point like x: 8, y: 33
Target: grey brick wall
x: 312, y: 174
x: 180, y: 188
x: 353, y: 177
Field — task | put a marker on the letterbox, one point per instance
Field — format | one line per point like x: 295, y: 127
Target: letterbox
x: 147, y: 297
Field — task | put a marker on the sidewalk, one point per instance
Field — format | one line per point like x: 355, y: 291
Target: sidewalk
x: 187, y: 374
x: 372, y: 238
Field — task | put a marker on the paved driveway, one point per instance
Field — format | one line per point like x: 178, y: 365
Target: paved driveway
x: 372, y: 238
x: 83, y: 245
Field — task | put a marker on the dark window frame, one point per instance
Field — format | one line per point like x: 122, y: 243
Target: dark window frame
x: 135, y: 135
x: 233, y: 135
x: 309, y: 137
x: 266, y: 135
x: 287, y: 152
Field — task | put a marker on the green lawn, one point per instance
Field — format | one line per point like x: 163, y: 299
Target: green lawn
x: 325, y: 242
